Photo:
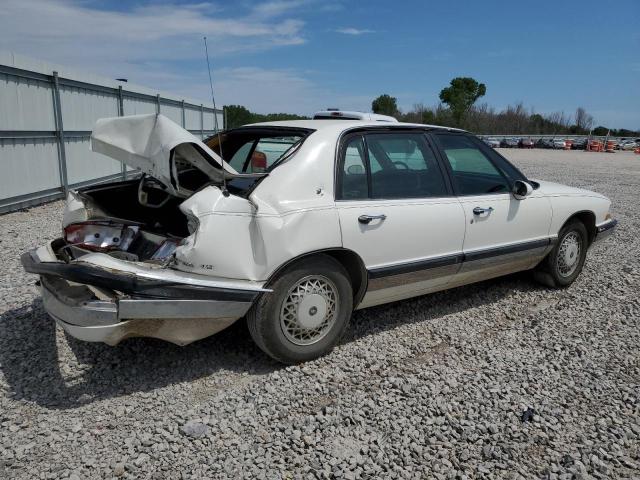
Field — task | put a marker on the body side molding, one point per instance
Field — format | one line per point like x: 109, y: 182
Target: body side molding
x: 459, y: 258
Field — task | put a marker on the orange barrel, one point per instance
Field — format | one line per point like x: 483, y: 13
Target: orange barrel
x: 595, y: 146
x: 567, y: 144
x: 637, y: 150
x: 611, y: 146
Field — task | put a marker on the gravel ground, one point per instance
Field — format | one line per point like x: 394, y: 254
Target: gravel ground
x: 501, y: 379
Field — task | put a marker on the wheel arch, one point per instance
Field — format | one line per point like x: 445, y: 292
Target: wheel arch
x: 349, y: 259
x: 588, y: 219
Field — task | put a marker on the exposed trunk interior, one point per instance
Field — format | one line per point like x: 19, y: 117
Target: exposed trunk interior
x: 120, y: 225
x: 120, y: 200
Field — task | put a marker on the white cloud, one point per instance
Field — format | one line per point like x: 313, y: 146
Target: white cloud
x: 354, y: 31
x: 160, y: 46
x: 275, y: 8
x: 275, y: 90
x: 68, y: 31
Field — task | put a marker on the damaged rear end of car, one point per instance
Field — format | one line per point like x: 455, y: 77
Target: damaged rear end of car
x: 123, y: 266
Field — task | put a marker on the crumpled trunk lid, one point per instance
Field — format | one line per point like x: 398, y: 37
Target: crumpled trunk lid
x: 153, y: 143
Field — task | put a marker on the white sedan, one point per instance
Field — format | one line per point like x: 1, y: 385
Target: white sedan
x: 302, y: 223
x: 628, y: 145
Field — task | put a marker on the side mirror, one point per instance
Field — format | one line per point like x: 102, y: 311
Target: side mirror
x: 521, y: 190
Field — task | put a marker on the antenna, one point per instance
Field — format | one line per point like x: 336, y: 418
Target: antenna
x: 225, y: 192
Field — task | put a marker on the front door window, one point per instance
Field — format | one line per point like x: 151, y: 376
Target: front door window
x: 472, y: 171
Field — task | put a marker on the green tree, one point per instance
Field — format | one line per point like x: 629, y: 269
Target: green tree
x: 237, y: 115
x: 385, y: 105
x: 276, y: 117
x: 600, y: 131
x: 460, y: 95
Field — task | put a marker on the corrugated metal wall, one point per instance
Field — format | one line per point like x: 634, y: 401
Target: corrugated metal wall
x: 46, y: 120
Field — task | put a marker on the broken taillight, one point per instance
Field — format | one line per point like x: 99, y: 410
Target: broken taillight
x: 100, y: 236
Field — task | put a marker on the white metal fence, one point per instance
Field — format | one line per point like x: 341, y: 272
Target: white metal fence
x: 45, y: 125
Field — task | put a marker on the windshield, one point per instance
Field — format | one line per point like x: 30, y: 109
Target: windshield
x: 257, y: 150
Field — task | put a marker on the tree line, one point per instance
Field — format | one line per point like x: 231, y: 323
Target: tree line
x: 237, y: 115
x: 458, y: 108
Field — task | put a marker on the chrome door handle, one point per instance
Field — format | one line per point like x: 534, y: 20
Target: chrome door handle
x: 366, y: 219
x: 481, y: 210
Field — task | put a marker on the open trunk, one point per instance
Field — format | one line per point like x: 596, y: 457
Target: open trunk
x: 111, y: 219
x: 140, y: 220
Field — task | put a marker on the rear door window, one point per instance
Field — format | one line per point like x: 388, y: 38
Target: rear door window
x: 402, y: 165
x: 389, y: 165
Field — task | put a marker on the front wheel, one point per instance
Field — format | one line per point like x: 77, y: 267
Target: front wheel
x: 307, y: 312
x: 564, y: 263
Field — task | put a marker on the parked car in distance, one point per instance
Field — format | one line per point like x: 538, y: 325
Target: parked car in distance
x: 525, y: 143
x: 579, y: 144
x: 492, y: 142
x: 509, y: 143
x: 628, y: 145
x: 301, y: 224
x: 558, y: 143
x: 540, y: 143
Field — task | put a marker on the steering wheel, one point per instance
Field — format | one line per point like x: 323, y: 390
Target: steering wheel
x: 150, y: 183
x: 398, y: 162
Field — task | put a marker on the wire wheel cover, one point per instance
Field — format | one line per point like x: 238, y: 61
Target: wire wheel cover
x: 309, y: 310
x: 569, y: 252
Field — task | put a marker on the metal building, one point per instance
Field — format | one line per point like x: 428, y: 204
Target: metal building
x: 46, y: 116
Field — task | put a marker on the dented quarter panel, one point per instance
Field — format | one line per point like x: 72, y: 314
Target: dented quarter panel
x: 234, y: 240
x: 291, y: 212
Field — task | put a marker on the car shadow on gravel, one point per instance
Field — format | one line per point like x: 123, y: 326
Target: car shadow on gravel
x: 432, y: 306
x: 38, y: 367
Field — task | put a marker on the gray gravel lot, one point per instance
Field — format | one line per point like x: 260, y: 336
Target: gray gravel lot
x: 502, y: 379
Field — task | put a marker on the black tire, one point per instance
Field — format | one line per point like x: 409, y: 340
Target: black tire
x: 550, y: 271
x: 263, y: 319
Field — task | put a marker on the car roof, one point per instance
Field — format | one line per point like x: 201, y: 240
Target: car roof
x: 342, y: 125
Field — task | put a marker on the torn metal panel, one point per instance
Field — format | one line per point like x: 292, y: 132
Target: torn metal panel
x: 149, y: 142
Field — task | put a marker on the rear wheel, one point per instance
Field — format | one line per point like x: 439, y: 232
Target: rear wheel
x: 307, y: 312
x: 564, y: 263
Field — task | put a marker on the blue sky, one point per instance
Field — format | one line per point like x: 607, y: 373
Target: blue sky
x: 304, y: 55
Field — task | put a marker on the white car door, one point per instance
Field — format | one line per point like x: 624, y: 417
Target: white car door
x: 398, y: 212
x: 503, y: 234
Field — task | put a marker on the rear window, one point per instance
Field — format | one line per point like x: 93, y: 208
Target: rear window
x: 256, y: 150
